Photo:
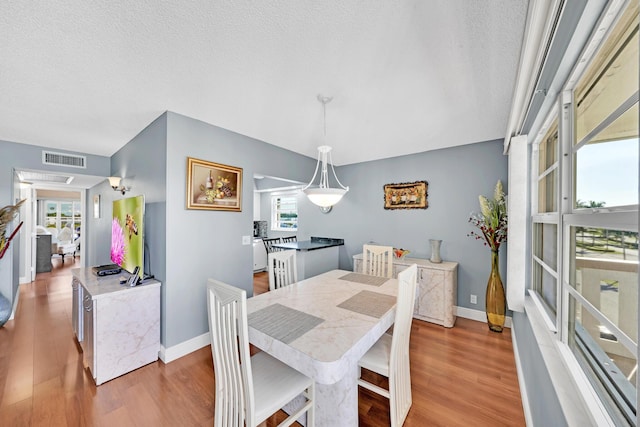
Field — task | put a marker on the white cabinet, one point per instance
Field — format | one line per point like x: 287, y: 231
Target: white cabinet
x: 121, y: 324
x: 436, y: 293
x: 259, y: 255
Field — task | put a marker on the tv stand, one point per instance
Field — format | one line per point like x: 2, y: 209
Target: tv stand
x: 117, y: 326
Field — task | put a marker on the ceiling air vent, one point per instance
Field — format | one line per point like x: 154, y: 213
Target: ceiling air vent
x: 59, y: 159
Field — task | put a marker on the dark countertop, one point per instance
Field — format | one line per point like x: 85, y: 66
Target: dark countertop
x: 311, y: 245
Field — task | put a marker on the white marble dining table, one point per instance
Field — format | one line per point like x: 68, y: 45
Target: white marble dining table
x: 322, y: 326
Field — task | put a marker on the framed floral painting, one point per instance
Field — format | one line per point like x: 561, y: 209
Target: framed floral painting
x: 213, y: 186
x: 406, y: 195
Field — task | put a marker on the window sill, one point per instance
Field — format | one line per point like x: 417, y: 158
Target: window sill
x: 579, y: 402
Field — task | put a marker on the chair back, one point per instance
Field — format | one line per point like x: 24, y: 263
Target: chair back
x: 377, y: 260
x: 268, y: 244
x: 289, y: 239
x: 234, y: 403
x: 399, y: 373
x: 283, y: 269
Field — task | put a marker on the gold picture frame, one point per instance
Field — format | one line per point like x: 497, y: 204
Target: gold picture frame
x: 213, y: 186
x: 406, y: 195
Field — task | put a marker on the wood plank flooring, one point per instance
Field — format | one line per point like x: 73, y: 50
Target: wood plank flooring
x: 463, y: 376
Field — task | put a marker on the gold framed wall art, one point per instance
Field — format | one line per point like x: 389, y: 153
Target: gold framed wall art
x: 213, y: 186
x: 406, y: 195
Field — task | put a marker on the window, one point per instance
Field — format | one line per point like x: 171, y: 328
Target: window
x: 59, y: 214
x: 585, y: 217
x: 284, y: 213
x: 545, y: 219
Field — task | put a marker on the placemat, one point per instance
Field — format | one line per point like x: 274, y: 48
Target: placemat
x: 369, y: 303
x: 283, y: 323
x: 365, y: 278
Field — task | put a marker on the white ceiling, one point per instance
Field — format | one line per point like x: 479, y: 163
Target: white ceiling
x: 406, y: 75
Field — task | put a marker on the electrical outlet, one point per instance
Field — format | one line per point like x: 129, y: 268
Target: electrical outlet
x: 474, y: 299
x: 246, y: 240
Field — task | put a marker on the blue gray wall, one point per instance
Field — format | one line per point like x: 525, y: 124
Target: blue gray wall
x: 204, y: 244
x: 23, y: 156
x: 456, y: 177
x: 142, y: 163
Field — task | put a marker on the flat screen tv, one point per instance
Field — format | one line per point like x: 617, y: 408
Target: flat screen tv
x: 127, y: 229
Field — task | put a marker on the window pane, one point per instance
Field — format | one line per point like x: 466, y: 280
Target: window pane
x: 609, y: 365
x: 547, y: 193
x: 608, y: 83
x: 548, y: 149
x: 545, y: 244
x: 604, y: 269
x: 284, y: 213
x: 546, y: 286
x: 607, y: 173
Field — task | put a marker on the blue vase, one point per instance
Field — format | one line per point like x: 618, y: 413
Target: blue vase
x: 5, y: 310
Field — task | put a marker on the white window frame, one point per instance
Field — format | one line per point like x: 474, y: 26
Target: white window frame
x: 275, y: 212
x: 623, y: 218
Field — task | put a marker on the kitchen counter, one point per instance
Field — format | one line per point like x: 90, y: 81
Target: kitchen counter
x: 311, y: 245
x: 315, y: 256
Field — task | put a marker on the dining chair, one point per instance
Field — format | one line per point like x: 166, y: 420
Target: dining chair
x: 389, y: 356
x: 268, y: 244
x: 282, y: 268
x: 248, y: 389
x: 289, y: 239
x: 377, y: 260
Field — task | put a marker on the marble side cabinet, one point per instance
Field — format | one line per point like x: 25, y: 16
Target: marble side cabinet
x: 436, y: 293
x: 119, y: 326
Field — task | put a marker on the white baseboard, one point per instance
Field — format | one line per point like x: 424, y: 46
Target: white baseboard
x: 478, y: 315
x: 170, y: 354
x: 15, y: 305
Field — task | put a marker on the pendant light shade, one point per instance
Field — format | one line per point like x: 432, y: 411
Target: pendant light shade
x: 323, y: 195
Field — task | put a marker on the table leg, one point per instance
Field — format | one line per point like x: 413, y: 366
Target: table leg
x: 337, y: 404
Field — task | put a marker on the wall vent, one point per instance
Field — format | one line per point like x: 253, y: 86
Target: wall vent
x: 60, y: 159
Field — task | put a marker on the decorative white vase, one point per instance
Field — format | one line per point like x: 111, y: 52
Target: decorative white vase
x: 435, y: 251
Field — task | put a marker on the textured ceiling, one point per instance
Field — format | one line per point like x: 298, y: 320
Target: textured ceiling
x: 406, y: 76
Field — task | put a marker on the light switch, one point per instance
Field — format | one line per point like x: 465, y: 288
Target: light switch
x: 246, y: 240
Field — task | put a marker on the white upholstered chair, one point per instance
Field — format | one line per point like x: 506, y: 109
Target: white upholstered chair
x: 64, y: 244
x: 377, y: 260
x: 282, y: 269
x: 248, y: 389
x: 389, y: 356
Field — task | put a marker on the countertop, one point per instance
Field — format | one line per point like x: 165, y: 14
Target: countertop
x: 311, y: 245
x: 99, y: 286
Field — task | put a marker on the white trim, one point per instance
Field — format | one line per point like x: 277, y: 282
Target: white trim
x: 549, y: 322
x: 477, y: 315
x: 168, y: 355
x: 591, y: 398
x: 521, y: 382
x: 175, y: 352
x: 538, y: 30
x: 518, y: 222
x: 15, y: 305
x: 578, y: 400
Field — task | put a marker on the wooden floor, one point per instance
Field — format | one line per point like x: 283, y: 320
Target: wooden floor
x: 463, y: 376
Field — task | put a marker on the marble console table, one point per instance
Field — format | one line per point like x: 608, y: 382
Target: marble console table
x: 437, y: 288
x: 315, y: 256
x: 118, y: 327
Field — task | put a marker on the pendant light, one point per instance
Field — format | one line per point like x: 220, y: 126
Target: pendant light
x: 323, y: 195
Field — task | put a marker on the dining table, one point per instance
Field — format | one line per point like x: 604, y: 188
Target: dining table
x: 322, y: 326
